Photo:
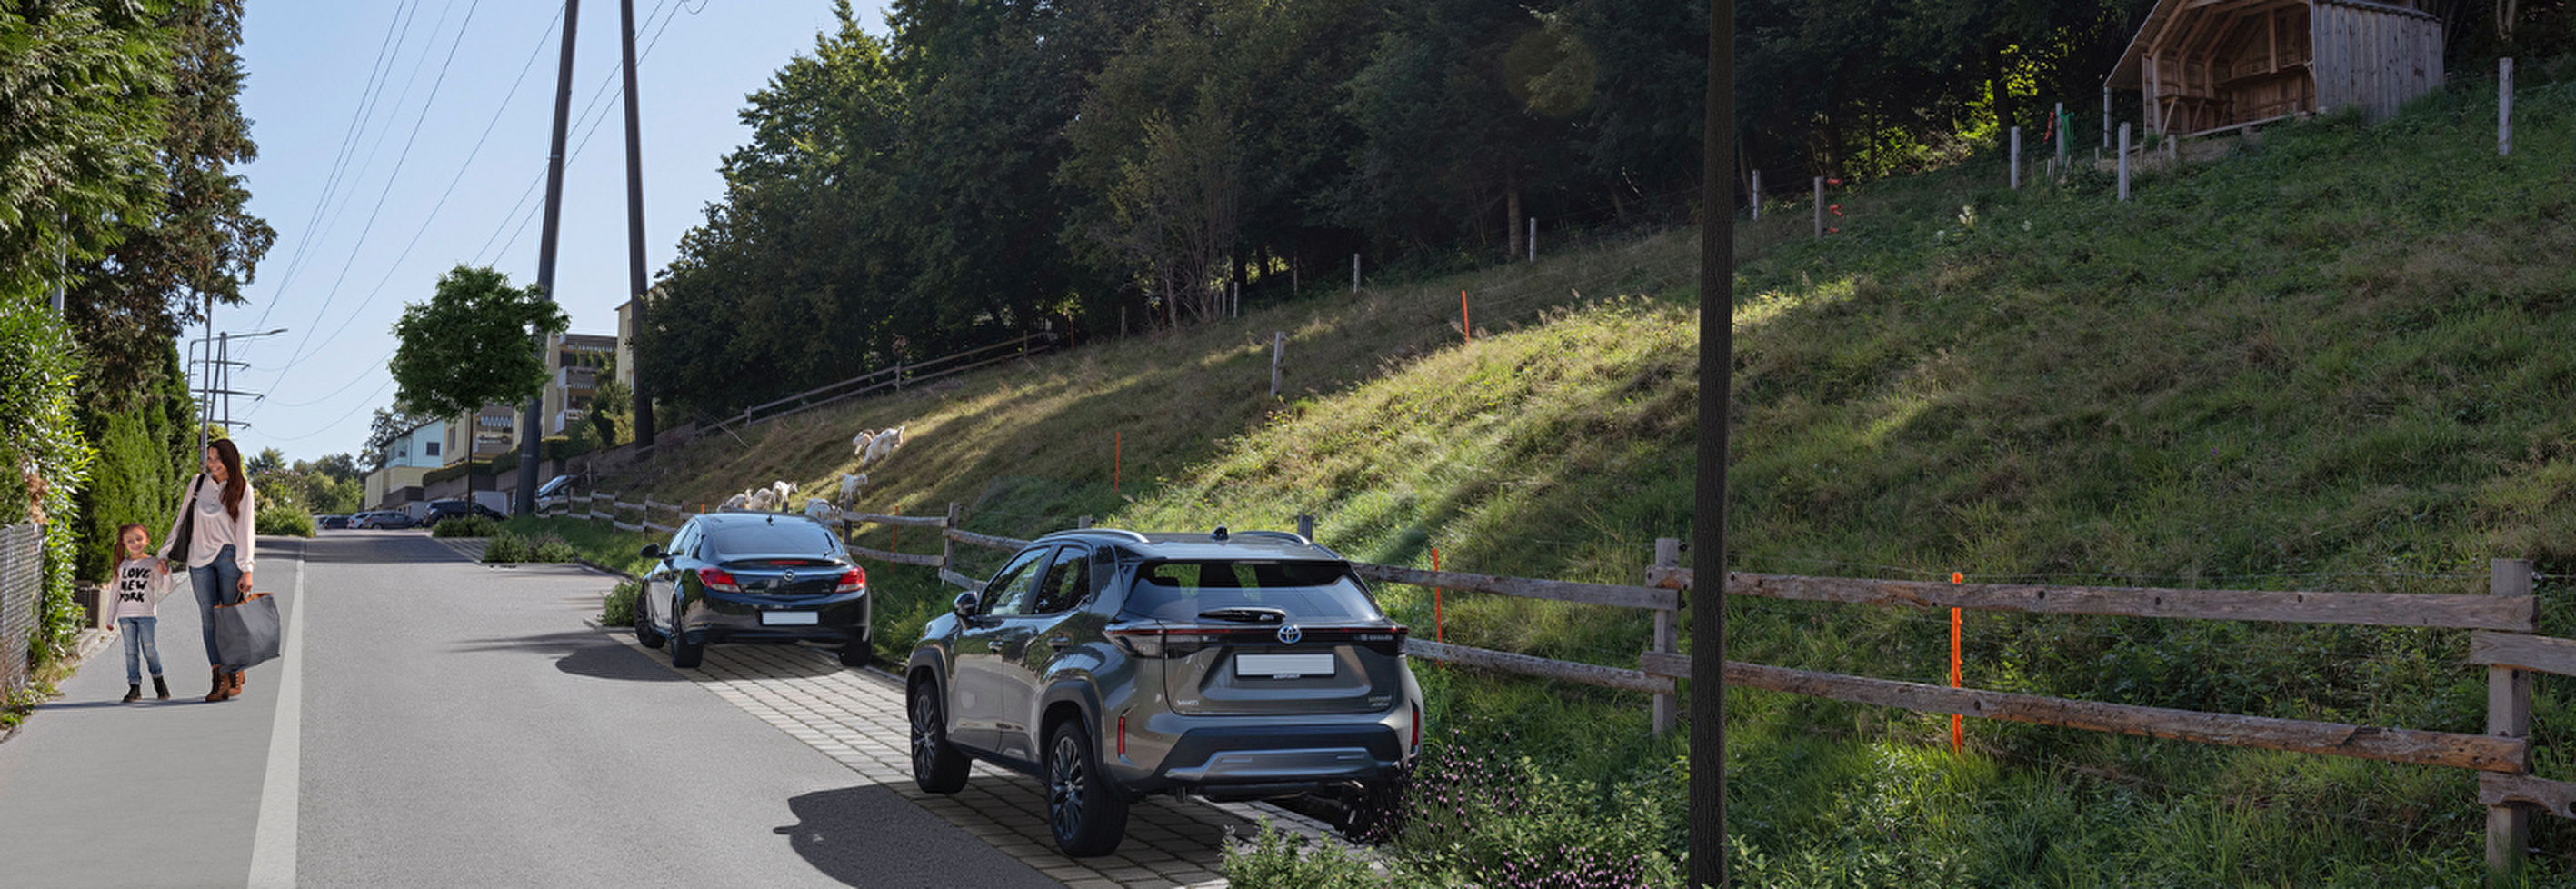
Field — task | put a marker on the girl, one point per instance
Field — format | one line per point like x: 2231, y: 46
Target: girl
x: 140, y: 577
x: 220, y: 506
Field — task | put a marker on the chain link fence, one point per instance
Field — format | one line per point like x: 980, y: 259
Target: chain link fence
x: 22, y: 580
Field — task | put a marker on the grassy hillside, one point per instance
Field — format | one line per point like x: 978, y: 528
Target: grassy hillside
x: 2331, y: 360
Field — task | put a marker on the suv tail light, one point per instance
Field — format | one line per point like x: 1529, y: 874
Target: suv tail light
x: 852, y: 581
x: 719, y: 579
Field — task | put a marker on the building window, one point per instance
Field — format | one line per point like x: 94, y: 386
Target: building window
x: 429, y: 450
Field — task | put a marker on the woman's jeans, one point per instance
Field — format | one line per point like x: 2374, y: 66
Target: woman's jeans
x: 219, y: 583
x: 140, y: 644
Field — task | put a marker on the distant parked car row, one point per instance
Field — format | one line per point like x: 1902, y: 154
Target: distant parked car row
x: 382, y: 519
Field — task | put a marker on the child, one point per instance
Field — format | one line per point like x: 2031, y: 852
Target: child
x: 140, y: 578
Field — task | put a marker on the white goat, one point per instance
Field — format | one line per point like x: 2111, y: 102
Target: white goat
x: 820, y: 510
x: 883, y: 445
x: 764, y: 500
x: 859, y: 442
x: 737, y: 501
x: 786, y: 493
x: 852, y: 485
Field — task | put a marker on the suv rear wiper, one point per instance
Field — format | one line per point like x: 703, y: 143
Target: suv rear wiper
x: 1246, y: 614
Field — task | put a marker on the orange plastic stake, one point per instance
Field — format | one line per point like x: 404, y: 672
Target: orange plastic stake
x: 897, y: 542
x: 1464, y: 323
x: 1958, y: 737
x: 1439, y: 626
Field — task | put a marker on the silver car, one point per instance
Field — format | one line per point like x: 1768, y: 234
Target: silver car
x: 1113, y: 664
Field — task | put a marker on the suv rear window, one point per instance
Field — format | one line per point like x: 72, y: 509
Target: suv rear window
x: 769, y: 539
x: 1305, y: 590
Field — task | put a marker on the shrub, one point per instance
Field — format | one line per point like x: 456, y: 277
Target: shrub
x: 1276, y: 859
x: 285, y: 522
x: 466, y: 526
x: 550, y: 548
x: 544, y: 547
x: 505, y: 548
x: 617, y: 609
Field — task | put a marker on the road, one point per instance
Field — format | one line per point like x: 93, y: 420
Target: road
x: 438, y: 722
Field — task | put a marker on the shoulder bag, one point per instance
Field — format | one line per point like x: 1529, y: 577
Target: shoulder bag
x: 187, y: 522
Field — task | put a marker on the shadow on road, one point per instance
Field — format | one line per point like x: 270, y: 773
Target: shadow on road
x: 581, y: 653
x: 870, y: 836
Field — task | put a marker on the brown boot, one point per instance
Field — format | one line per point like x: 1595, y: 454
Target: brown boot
x: 237, y: 682
x: 223, y: 687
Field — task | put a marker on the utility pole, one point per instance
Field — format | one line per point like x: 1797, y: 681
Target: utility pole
x: 635, y: 225
x: 1716, y: 362
x: 215, y: 376
x: 531, y: 423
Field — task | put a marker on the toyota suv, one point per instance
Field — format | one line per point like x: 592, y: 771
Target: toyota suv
x: 1112, y: 664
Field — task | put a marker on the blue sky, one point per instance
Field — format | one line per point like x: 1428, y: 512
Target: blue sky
x: 394, y: 145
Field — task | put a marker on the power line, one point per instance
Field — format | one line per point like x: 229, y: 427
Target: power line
x: 340, y: 159
x: 588, y: 124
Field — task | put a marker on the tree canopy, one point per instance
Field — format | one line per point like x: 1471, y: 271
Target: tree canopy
x: 475, y: 342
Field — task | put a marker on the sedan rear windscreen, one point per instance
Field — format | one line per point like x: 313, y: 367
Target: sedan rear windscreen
x: 772, y: 539
x: 1181, y: 591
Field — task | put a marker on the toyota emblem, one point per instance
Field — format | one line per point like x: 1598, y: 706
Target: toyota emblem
x: 1289, y: 634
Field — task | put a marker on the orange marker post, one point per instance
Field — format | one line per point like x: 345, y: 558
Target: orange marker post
x: 1439, y: 626
x: 1464, y: 323
x: 1958, y: 738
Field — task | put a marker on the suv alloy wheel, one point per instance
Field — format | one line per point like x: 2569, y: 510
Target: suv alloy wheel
x: 936, y: 767
x: 1087, y: 815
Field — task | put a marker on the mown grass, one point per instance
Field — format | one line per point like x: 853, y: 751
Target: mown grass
x: 2329, y: 361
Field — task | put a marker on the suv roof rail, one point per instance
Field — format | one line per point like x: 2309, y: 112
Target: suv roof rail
x: 1282, y: 535
x: 1139, y: 538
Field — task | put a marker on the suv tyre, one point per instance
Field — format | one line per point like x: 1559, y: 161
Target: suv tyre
x: 1086, y: 813
x: 936, y: 766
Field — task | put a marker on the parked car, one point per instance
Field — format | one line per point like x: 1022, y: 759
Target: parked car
x: 441, y: 509
x: 331, y: 522
x: 1112, y: 664
x: 753, y: 577
x: 383, y: 518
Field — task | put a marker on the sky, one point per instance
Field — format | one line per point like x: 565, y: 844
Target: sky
x: 400, y: 138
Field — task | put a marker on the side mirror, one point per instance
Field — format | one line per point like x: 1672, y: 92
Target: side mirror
x: 967, y: 604
x: 651, y: 551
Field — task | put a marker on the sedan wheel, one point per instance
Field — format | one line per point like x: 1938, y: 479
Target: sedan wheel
x: 645, y: 635
x: 684, y: 653
x: 937, y: 767
x: 1086, y: 813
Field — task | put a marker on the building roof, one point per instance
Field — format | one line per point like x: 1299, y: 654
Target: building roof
x: 2129, y: 71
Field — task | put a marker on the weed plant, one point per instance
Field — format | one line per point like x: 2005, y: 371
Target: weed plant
x: 466, y: 526
x: 284, y: 522
x: 2328, y: 360
x: 617, y: 608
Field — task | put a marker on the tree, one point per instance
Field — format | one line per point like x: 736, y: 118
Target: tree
x: 81, y: 85
x: 474, y: 343
x: 267, y: 460
x: 201, y: 244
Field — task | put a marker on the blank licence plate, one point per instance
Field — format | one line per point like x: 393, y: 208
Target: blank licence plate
x: 1282, y: 666
x: 789, y: 618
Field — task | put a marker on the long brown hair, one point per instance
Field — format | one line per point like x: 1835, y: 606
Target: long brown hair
x: 233, y: 482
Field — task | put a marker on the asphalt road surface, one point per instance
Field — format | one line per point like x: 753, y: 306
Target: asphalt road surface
x: 439, y: 723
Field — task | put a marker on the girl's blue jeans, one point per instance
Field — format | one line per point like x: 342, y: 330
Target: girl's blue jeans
x: 140, y: 645
x: 219, y: 583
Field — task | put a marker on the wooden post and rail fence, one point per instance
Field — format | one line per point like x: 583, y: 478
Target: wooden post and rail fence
x: 2502, y: 627
x: 900, y: 375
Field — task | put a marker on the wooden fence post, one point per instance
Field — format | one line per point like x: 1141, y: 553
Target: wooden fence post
x: 1757, y: 196
x: 2016, y: 159
x: 1082, y: 521
x: 1668, y: 554
x: 2124, y: 160
x: 948, y: 547
x: 2504, y: 107
x: 1820, y: 207
x: 1355, y: 273
x: 2509, y: 716
x: 1278, y: 347
x: 1306, y: 526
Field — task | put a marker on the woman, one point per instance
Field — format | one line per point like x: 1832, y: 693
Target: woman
x: 217, y: 516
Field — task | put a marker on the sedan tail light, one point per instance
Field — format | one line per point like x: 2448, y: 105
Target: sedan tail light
x: 852, y: 581
x: 718, y: 579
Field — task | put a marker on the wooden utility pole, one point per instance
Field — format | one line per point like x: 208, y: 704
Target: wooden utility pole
x: 1716, y: 364
x: 532, y: 423
x: 635, y: 223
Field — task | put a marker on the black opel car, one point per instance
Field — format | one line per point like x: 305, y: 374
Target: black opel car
x: 753, y: 577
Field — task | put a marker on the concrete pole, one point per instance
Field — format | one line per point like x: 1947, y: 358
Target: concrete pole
x: 531, y: 423
x: 1757, y: 196
x: 635, y: 282
x: 2016, y: 159
x: 2124, y: 160
x: 1820, y: 207
x: 1355, y: 273
x: 2504, y: 107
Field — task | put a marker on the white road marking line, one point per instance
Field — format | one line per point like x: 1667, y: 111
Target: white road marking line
x: 272, y: 856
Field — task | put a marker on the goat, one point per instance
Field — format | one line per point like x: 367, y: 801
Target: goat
x: 764, y: 500
x: 883, y: 445
x: 786, y: 493
x: 820, y: 510
x: 737, y: 501
x: 859, y: 442
x: 852, y: 485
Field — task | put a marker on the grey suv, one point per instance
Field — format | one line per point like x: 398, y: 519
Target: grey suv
x: 1113, y: 664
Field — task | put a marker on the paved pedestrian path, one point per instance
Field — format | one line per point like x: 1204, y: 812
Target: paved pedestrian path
x: 857, y: 718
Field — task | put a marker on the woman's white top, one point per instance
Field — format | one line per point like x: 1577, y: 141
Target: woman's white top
x: 215, y: 528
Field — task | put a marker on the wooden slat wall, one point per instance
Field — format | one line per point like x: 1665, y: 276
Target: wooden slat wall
x: 2374, y: 57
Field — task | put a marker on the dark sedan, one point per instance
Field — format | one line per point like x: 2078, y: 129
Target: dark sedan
x: 753, y: 577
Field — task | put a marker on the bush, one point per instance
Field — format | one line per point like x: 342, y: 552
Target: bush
x: 466, y: 526
x: 1277, y: 859
x: 544, y: 547
x: 617, y: 609
x: 284, y: 522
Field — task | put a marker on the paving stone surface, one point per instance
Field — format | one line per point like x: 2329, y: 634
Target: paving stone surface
x: 857, y: 718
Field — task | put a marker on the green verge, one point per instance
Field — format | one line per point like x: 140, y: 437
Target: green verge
x: 2327, y: 361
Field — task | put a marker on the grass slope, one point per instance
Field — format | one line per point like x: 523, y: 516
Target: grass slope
x: 2332, y: 360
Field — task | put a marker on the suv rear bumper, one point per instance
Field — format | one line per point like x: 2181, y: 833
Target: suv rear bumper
x: 1275, y: 760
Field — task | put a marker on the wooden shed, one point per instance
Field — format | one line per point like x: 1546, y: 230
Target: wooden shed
x: 2205, y: 66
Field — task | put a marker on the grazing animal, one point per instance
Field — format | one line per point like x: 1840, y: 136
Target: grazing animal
x: 764, y: 500
x: 820, y: 510
x: 786, y: 493
x: 883, y: 445
x: 737, y: 501
x: 852, y: 485
x: 859, y: 442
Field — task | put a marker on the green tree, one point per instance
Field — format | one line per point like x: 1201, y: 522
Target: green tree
x: 81, y: 88
x: 473, y: 343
